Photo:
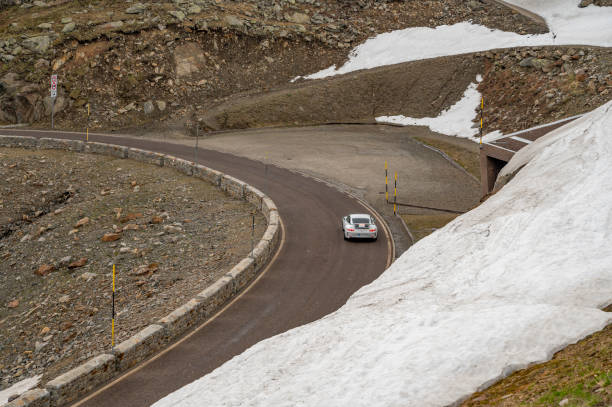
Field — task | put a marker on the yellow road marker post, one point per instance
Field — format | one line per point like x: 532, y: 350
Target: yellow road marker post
x: 395, y: 196
x: 481, y: 113
x: 386, y: 184
x: 113, y: 313
x: 87, y: 137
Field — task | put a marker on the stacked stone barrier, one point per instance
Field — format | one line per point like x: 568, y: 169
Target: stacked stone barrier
x: 100, y: 369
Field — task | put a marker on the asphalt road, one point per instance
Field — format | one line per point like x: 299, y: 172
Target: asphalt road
x: 314, y: 274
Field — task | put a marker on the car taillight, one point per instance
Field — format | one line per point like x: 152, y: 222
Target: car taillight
x: 350, y: 230
x: 372, y: 230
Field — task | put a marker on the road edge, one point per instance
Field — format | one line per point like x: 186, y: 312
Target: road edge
x: 197, y: 312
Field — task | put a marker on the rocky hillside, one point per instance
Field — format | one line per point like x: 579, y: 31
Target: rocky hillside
x: 529, y: 86
x: 152, y: 66
x: 155, y: 64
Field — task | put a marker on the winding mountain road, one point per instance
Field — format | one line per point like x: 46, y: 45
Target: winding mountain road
x: 314, y: 274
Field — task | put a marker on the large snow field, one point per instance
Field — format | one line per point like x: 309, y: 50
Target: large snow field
x: 501, y: 287
x: 568, y: 24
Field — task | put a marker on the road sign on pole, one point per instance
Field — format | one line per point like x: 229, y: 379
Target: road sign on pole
x: 53, y: 95
x: 54, y: 86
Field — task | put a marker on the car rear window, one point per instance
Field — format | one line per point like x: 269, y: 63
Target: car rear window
x: 360, y: 220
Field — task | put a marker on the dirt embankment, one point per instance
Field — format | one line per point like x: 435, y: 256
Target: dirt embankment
x: 522, y: 87
x: 67, y: 218
x: 418, y: 89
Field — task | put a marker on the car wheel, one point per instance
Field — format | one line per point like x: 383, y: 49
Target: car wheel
x: 375, y: 238
x: 345, y: 236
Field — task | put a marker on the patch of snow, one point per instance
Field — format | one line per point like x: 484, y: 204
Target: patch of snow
x: 412, y: 44
x: 569, y: 25
x: 492, y: 136
x: 457, y: 120
x: 499, y: 288
x: 454, y: 121
x: 19, y: 388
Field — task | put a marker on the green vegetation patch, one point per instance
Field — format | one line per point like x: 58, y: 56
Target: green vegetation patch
x: 591, y: 392
x: 578, y: 376
x: 467, y: 159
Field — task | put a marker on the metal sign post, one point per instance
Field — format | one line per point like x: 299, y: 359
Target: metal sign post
x: 53, y: 96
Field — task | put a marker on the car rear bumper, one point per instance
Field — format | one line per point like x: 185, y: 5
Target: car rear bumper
x: 361, y: 235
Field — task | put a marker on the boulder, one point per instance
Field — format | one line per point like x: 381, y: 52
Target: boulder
x: 9, y: 83
x: 194, y: 9
x: 58, y: 106
x: 148, y: 107
x: 234, y: 22
x: 137, y: 8
x: 68, y: 28
x: 20, y: 102
x: 178, y: 14
x: 111, y: 237
x: 39, y: 44
x: 202, y: 25
x: 299, y: 18
x: 189, y: 59
x: 113, y: 25
x: 475, y: 5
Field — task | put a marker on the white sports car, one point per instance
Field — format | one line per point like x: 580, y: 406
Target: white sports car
x: 361, y: 226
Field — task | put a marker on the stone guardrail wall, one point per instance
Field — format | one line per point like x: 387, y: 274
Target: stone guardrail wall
x: 102, y: 368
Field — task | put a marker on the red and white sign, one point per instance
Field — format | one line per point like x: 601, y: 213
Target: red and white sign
x: 53, y: 86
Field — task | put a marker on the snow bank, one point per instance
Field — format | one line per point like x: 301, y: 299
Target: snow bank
x: 501, y: 287
x: 568, y: 24
x: 455, y: 121
x: 412, y: 44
